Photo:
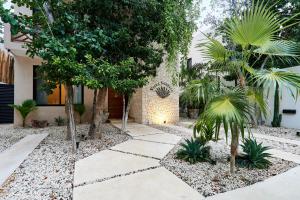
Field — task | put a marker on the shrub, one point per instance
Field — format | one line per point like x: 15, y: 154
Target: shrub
x: 25, y: 108
x: 255, y: 155
x: 59, y: 121
x: 80, y: 109
x: 193, y: 151
x: 204, y: 131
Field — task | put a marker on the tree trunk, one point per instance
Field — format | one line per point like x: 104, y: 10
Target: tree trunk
x: 70, y: 116
x: 23, y: 123
x: 276, y: 116
x: 126, y: 108
x: 100, y: 108
x: 92, y: 129
x: 124, y: 113
x: 234, y: 147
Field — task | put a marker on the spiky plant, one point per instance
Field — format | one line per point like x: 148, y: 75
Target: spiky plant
x: 253, y: 34
x: 25, y: 109
x: 193, y: 151
x: 255, y: 155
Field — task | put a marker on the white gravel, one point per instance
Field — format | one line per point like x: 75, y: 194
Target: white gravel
x: 211, y: 179
x: 9, y: 135
x: 287, y: 133
x: 47, y: 174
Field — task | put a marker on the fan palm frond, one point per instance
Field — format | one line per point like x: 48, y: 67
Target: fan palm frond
x: 283, y: 78
x: 257, y: 26
x: 256, y: 96
x: 229, y: 109
x: 213, y: 50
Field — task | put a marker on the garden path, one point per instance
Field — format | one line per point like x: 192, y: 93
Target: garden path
x: 131, y: 170
x: 12, y: 157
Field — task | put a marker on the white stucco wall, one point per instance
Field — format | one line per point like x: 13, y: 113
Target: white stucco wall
x: 286, y: 102
x: 23, y: 72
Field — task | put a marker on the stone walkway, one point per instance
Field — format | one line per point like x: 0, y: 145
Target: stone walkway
x: 11, y: 158
x: 131, y: 170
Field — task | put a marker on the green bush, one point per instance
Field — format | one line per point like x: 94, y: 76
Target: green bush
x: 204, y: 131
x: 25, y: 108
x: 255, y: 155
x: 193, y: 151
x: 59, y: 121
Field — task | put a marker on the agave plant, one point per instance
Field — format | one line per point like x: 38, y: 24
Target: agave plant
x: 193, y: 151
x: 25, y: 109
x: 255, y: 155
x: 253, y: 34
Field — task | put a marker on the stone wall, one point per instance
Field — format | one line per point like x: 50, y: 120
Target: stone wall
x: 158, y: 110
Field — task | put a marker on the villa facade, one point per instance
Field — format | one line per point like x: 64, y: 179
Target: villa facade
x: 158, y: 102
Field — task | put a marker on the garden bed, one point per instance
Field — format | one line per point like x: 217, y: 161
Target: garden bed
x: 287, y: 133
x: 9, y: 136
x: 209, y: 179
x: 48, y: 172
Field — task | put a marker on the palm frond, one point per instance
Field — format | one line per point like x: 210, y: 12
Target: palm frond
x: 229, y: 109
x: 258, y: 25
x: 256, y: 96
x: 214, y: 50
x: 283, y: 78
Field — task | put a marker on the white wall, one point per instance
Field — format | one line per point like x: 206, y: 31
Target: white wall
x: 286, y: 102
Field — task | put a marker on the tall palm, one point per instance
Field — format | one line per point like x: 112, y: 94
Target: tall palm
x: 254, y: 34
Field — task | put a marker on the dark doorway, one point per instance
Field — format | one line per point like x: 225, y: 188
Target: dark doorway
x: 6, y: 98
x: 115, y: 105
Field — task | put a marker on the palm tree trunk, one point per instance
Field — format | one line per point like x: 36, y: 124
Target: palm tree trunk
x: 234, y: 147
x: 70, y: 116
x: 23, y: 123
x: 92, y: 129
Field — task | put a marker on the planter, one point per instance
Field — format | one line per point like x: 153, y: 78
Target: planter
x: 193, y: 113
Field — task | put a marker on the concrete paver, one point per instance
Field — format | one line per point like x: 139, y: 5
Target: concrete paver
x: 107, y: 164
x: 150, y: 149
x: 155, y: 184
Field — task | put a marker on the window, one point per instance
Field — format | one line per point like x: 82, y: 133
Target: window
x: 57, y: 98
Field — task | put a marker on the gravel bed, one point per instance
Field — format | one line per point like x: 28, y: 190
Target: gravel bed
x: 48, y: 172
x: 9, y: 136
x: 287, y: 133
x: 211, y: 179
x: 291, y: 148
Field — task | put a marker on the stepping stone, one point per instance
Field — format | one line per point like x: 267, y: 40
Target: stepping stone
x: 12, y: 157
x: 134, y: 132
x: 284, y: 186
x: 150, y: 149
x: 161, y: 138
x: 107, y: 164
x: 156, y: 184
x: 285, y: 155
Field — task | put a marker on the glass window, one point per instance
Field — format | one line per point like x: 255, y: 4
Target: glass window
x: 57, y: 97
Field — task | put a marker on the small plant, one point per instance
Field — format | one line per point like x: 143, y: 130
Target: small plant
x: 25, y: 108
x: 59, y: 121
x: 80, y: 109
x: 255, y: 155
x: 204, y: 131
x: 193, y: 151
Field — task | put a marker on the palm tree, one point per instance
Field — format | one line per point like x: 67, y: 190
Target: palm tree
x: 25, y: 108
x: 253, y: 34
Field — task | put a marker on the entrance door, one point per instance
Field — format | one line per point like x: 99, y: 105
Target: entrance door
x: 6, y: 99
x: 115, y: 105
